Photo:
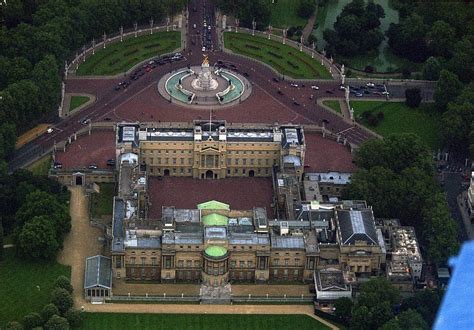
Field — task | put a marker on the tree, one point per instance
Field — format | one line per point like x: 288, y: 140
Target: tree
x: 62, y: 299
x: 48, y: 311
x: 376, y: 291
x: 57, y: 322
x: 13, y: 325
x: 356, y: 30
x: 343, y: 307
x: 1, y: 240
x: 410, y: 319
x: 447, y: 89
x: 32, y: 320
x: 64, y: 283
x: 441, y: 38
x: 38, y: 240
x: 306, y: 8
x: 413, y: 97
x: 440, y: 231
x: 425, y: 302
x: 407, y: 38
x: 74, y: 318
x: 361, y: 318
x: 40, y: 203
x: 396, y: 152
x: 431, y: 68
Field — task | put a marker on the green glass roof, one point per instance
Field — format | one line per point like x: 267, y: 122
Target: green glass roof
x: 216, y: 251
x: 213, y: 205
x: 214, y: 219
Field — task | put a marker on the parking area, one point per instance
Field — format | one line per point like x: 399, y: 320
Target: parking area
x: 181, y: 192
x: 324, y: 155
x: 88, y: 150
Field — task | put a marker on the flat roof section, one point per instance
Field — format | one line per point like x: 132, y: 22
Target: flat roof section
x: 186, y: 193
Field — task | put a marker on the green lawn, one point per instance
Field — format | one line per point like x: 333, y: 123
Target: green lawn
x: 41, y: 166
x: 333, y: 104
x: 101, y: 321
x: 398, y: 118
x: 77, y: 101
x: 121, y: 56
x: 285, y: 13
x: 102, y: 203
x: 283, y: 58
x: 19, y: 283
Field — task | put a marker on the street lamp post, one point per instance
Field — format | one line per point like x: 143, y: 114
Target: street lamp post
x: 135, y: 27
x: 104, y: 38
x: 269, y: 31
x: 284, y: 36
x: 237, y: 25
x: 121, y: 34
x: 93, y: 46
x: 254, y: 25
x: 151, y: 26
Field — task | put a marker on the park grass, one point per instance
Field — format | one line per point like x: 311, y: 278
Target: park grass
x: 102, y: 203
x: 198, y: 321
x: 284, y: 13
x: 283, y: 58
x: 399, y: 118
x: 77, y: 101
x: 333, y: 104
x: 41, y: 166
x: 19, y: 285
x: 121, y: 56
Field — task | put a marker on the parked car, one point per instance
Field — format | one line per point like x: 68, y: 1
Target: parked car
x: 111, y: 162
x: 93, y: 167
x: 315, y: 87
x: 370, y: 84
x: 293, y: 85
x: 57, y: 165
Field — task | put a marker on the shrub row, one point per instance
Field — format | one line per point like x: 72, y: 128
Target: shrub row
x: 130, y: 52
x: 275, y: 55
x: 252, y: 47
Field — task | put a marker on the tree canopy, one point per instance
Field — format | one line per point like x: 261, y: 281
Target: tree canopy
x: 356, y: 30
x: 396, y: 177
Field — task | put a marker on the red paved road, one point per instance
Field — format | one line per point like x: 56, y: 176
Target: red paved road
x: 239, y: 193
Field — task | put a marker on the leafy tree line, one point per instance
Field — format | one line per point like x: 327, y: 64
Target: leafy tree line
x: 58, y: 314
x: 356, y: 30
x: 396, y: 177
x: 35, y: 211
x: 441, y: 34
x: 35, y: 39
x: 379, y: 306
x: 246, y: 11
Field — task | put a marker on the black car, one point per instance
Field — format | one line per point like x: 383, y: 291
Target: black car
x: 111, y: 162
x: 276, y: 79
x: 117, y: 87
x: 295, y: 103
x: 329, y: 91
x: 280, y: 92
x: 245, y: 74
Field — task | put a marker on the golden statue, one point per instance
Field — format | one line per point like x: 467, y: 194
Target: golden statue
x: 205, y: 61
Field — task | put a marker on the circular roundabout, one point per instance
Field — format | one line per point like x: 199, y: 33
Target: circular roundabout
x: 204, y: 87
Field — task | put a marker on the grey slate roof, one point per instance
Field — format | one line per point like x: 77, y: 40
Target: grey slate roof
x: 98, y: 272
x: 357, y: 225
x: 117, y: 226
x: 287, y: 242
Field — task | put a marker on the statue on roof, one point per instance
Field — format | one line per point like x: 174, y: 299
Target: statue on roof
x: 205, y: 61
